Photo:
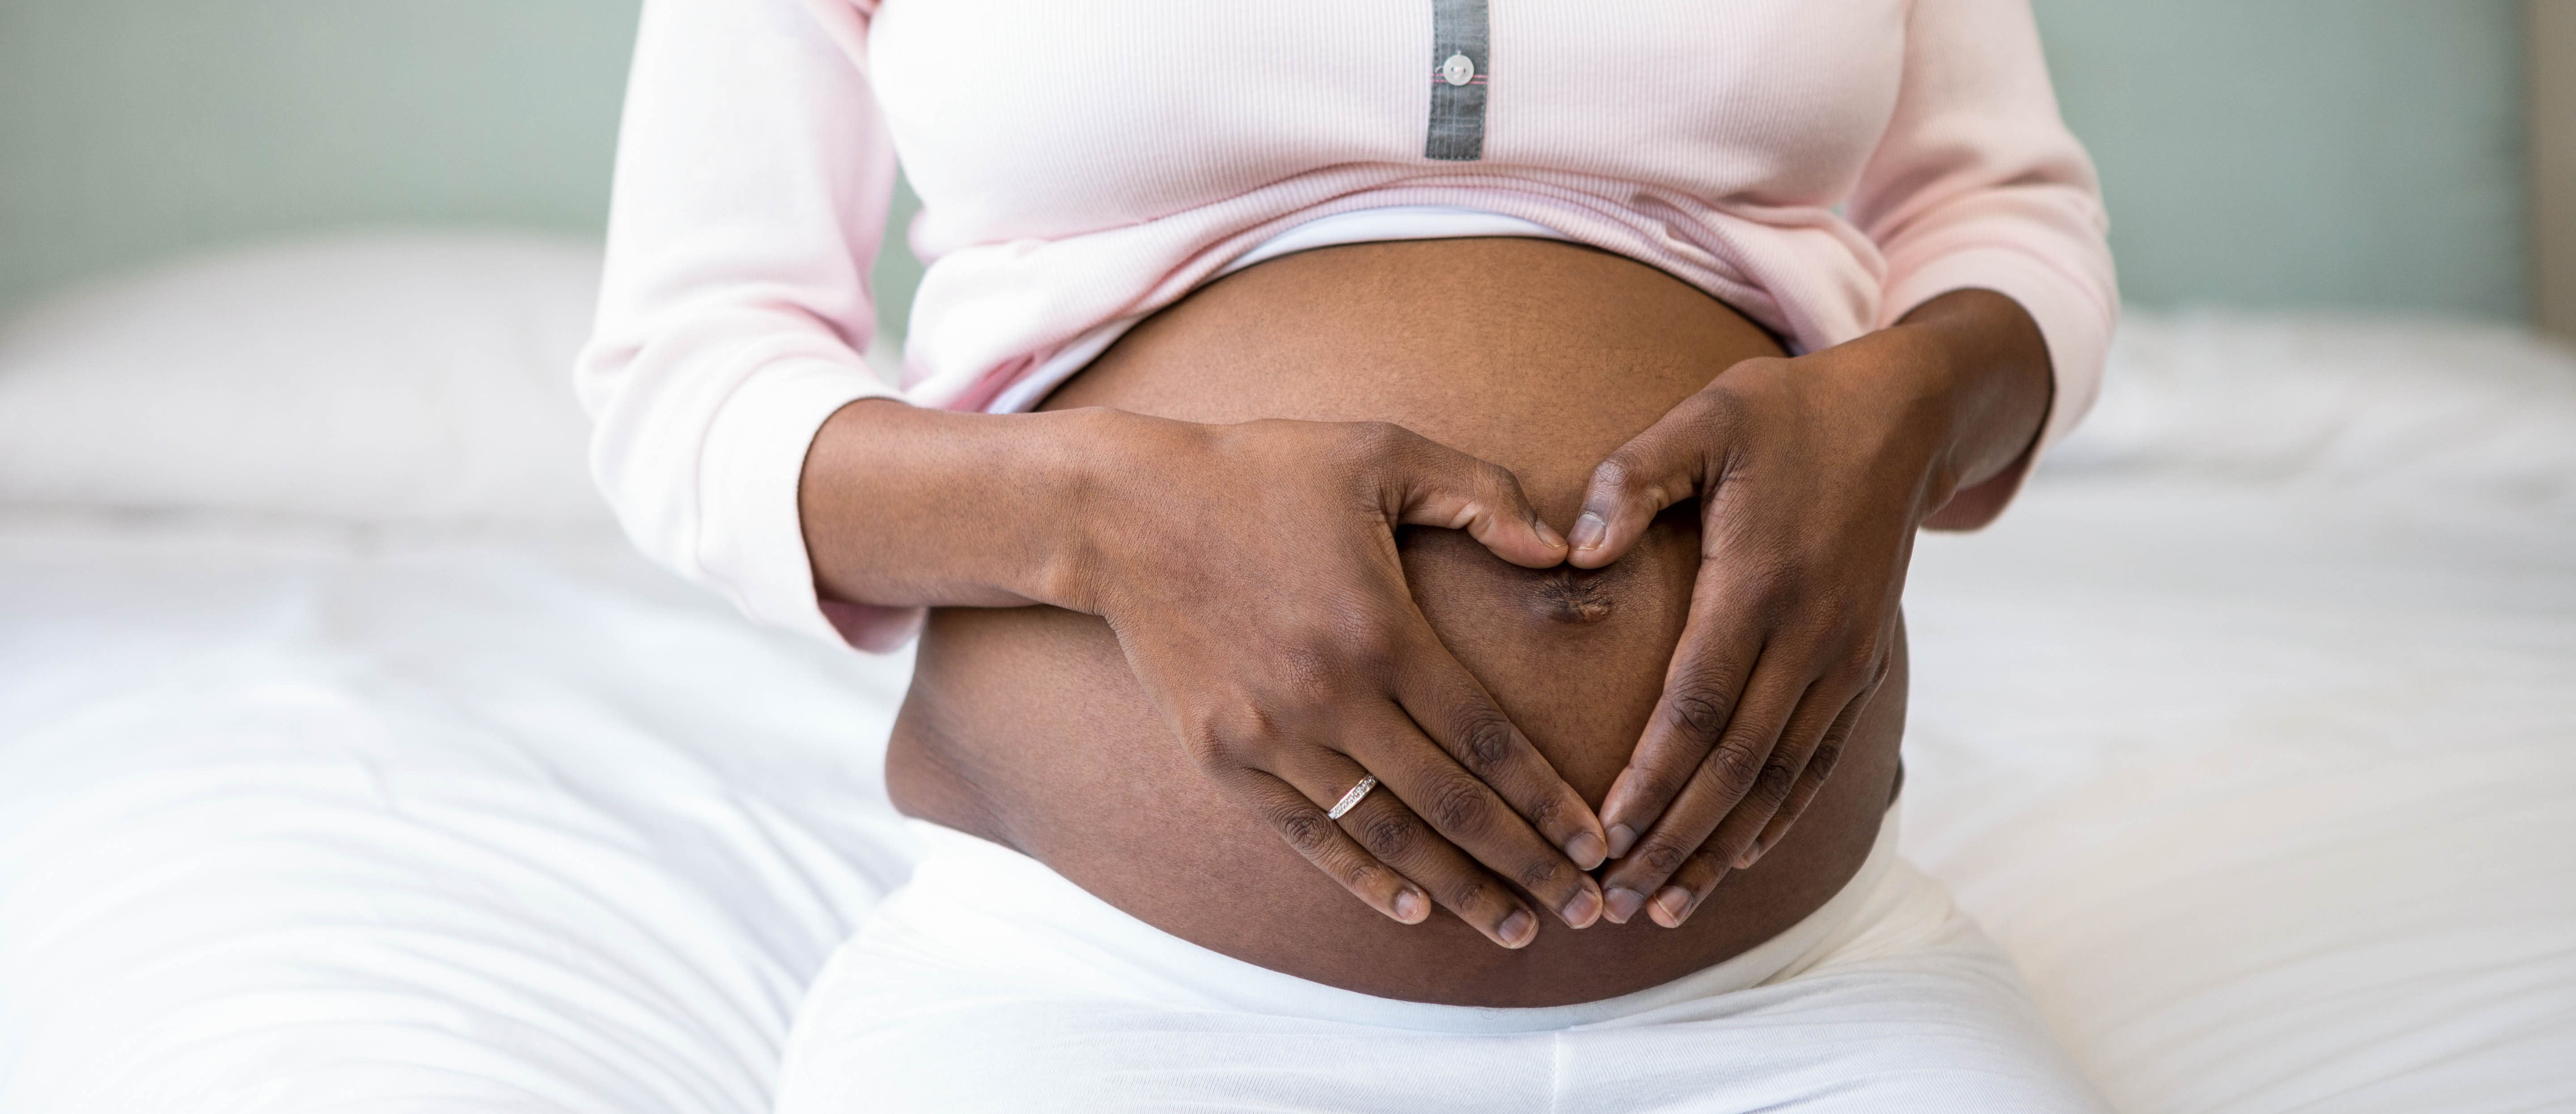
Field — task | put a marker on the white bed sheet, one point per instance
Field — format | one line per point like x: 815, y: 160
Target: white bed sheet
x: 2272, y: 796
x: 2268, y: 782
x: 298, y: 819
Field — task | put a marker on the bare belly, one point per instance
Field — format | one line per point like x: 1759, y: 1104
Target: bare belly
x: 1026, y: 727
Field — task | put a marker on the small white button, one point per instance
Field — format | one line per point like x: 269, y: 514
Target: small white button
x: 1457, y: 70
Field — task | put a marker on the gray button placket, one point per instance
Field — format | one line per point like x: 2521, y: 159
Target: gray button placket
x: 1458, y: 59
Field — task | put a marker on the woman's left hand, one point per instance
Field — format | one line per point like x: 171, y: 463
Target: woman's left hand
x: 1813, y: 474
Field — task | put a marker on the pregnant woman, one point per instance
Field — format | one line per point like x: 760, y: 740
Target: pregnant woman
x: 1409, y: 502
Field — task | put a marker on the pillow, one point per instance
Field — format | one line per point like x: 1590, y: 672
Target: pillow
x: 379, y: 378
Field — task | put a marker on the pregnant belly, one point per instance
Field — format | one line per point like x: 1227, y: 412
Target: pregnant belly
x: 1026, y: 727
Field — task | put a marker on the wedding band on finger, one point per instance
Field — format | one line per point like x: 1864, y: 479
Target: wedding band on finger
x: 1351, y: 799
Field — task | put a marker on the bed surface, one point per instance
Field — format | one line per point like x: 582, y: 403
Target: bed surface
x: 2273, y: 800
x: 292, y: 819
x: 2260, y: 761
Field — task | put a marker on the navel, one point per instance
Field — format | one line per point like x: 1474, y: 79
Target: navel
x: 1570, y: 595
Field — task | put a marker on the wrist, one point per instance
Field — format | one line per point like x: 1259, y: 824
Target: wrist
x: 1895, y: 408
x: 906, y: 506
x: 1090, y: 472
x: 1991, y: 368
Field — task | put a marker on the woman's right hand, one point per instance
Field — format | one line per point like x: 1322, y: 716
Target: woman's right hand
x: 1251, y: 575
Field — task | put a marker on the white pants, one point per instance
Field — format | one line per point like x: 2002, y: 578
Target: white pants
x: 990, y: 983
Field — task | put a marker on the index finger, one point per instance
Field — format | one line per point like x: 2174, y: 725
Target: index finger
x: 1435, y: 485
x: 1664, y: 465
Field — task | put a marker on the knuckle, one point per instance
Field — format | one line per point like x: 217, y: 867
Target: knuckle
x: 1459, y: 808
x: 1374, y: 650
x: 1378, y: 440
x: 1258, y: 720
x: 1736, y: 765
x: 1660, y: 782
x: 1388, y: 834
x: 1778, y: 597
x: 1863, y: 658
x: 1335, y: 633
x: 1614, y: 472
x: 1662, y: 856
x: 1207, y: 746
x: 1250, y: 731
x: 1539, y: 875
x: 1304, y: 673
x: 1821, y: 764
x: 1772, y: 789
x: 1484, y: 742
x: 1712, y: 418
x: 1305, y: 829
x: 1468, y: 892
x: 1700, y: 708
x: 1547, y: 814
x: 1363, y: 874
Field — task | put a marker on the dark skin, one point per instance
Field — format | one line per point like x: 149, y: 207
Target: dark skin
x: 1256, y: 611
x: 1794, y: 613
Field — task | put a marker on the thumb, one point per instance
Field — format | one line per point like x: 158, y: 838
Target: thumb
x: 1654, y: 470
x: 1435, y: 485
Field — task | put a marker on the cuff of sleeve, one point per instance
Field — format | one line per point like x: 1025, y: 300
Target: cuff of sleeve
x: 2074, y: 324
x: 752, y: 535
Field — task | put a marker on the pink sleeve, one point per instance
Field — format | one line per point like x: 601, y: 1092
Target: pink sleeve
x: 1978, y: 185
x: 753, y: 177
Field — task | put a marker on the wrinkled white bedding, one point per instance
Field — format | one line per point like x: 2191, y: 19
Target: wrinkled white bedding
x: 2273, y: 799
x: 2264, y: 773
x: 299, y: 818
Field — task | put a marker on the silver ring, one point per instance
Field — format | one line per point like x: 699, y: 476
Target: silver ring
x: 1351, y: 799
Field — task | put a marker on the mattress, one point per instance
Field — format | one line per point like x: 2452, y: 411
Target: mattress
x: 2250, y: 732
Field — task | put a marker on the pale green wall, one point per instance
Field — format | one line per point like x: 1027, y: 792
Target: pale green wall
x: 2356, y: 153
x: 131, y: 129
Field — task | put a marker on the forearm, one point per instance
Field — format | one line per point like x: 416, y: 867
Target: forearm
x: 911, y: 507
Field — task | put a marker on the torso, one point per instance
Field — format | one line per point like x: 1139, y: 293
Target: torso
x: 1026, y: 727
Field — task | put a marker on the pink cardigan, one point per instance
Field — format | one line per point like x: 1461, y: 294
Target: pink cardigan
x: 1823, y: 166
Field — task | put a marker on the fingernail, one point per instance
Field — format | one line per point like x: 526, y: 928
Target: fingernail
x: 1620, y: 903
x: 1622, y: 837
x: 1518, y: 929
x: 1411, y: 906
x: 1588, y: 530
x: 1671, y: 906
x: 1750, y: 856
x: 1584, y: 849
x: 1584, y: 909
x: 1548, y: 534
